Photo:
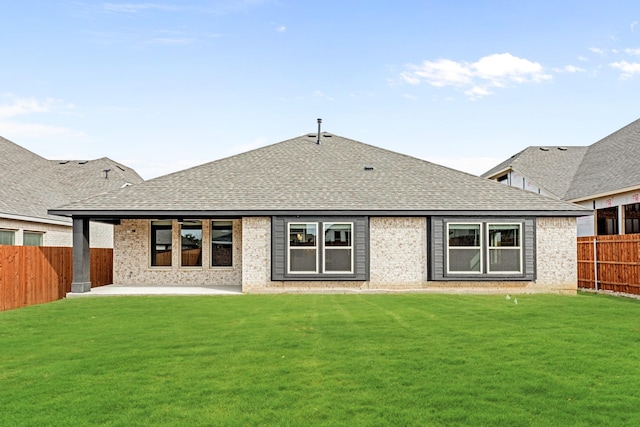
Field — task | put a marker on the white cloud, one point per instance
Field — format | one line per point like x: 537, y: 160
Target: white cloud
x: 35, y: 130
x: 168, y: 41
x: 633, y: 25
x: 135, y: 7
x: 582, y: 58
x: 632, y: 51
x: 598, y: 51
x: 570, y: 69
x: 22, y: 106
x: 497, y: 70
x: 281, y: 28
x: 29, y: 106
x: 629, y: 69
x: 320, y: 94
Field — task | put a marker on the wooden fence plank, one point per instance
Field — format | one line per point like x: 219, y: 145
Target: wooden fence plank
x: 35, y: 275
x: 618, y: 263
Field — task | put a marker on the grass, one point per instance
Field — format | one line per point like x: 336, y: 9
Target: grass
x: 335, y: 360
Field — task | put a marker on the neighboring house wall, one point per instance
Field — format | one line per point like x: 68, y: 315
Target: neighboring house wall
x: 612, y: 207
x: 518, y: 180
x: 397, y: 255
x: 131, y: 258
x: 57, y: 235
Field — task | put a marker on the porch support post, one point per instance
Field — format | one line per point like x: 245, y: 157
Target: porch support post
x: 81, y: 261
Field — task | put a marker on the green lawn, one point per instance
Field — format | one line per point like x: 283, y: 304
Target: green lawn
x: 322, y: 360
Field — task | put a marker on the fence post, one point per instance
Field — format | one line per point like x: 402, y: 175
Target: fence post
x: 595, y: 261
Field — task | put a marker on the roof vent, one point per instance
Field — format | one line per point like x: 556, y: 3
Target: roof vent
x: 368, y: 168
x: 120, y: 167
x: 106, y: 173
x: 63, y: 162
x: 326, y: 135
x: 562, y: 148
x: 544, y: 149
x: 319, y: 123
x: 83, y: 162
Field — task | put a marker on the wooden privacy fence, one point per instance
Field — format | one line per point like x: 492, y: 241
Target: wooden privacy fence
x: 35, y: 274
x: 610, y: 263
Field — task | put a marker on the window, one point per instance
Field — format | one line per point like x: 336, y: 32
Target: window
x: 303, y: 248
x: 465, y: 255
x: 607, y: 221
x: 161, y: 243
x: 191, y: 244
x: 481, y: 248
x: 505, y: 252
x: 338, y: 250
x: 221, y: 243
x: 632, y: 219
x: 7, y: 237
x: 320, y: 248
x: 30, y: 238
x: 466, y: 248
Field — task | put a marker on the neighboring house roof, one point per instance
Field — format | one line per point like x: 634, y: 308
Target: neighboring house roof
x: 31, y: 184
x: 610, y: 165
x: 550, y: 167
x: 301, y: 176
x: 580, y: 173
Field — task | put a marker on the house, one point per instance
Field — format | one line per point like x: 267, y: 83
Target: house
x: 322, y: 211
x: 604, y: 177
x: 31, y: 184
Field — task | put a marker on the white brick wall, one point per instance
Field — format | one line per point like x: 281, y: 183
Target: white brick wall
x: 398, y: 260
x: 557, y: 250
x: 132, y: 258
x: 398, y: 252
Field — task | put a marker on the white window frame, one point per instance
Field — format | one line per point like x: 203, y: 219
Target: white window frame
x: 474, y: 248
x: 498, y: 248
x: 326, y: 248
x: 290, y: 248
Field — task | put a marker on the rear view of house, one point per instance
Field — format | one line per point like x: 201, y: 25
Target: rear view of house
x: 326, y: 212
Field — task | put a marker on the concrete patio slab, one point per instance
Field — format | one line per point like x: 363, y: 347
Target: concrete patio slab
x: 128, y: 290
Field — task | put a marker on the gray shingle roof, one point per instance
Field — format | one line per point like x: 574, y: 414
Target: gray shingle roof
x: 609, y: 165
x: 300, y: 175
x: 31, y: 184
x: 581, y: 173
x: 550, y: 167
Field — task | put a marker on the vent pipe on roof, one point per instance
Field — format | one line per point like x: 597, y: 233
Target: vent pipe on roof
x: 106, y: 173
x: 319, y: 123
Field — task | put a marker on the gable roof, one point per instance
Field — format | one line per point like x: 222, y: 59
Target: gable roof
x: 609, y: 165
x: 301, y: 176
x: 581, y: 173
x: 550, y: 167
x: 31, y: 184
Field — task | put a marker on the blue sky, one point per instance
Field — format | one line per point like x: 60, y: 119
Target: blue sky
x: 161, y: 85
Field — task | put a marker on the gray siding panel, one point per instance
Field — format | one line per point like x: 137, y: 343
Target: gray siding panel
x: 360, y: 247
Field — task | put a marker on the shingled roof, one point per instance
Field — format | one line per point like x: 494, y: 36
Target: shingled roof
x: 31, y: 184
x: 550, y: 167
x: 302, y: 176
x: 610, y: 165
